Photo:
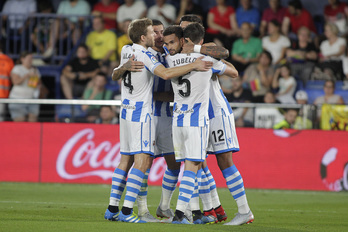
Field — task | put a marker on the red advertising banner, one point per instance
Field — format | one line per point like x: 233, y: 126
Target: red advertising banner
x: 89, y: 153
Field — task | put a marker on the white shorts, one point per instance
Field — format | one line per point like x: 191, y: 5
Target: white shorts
x: 163, y: 136
x: 190, y: 143
x: 137, y: 137
x: 222, y: 135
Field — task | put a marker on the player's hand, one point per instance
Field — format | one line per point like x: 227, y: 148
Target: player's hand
x: 201, y: 65
x: 188, y: 46
x: 133, y: 66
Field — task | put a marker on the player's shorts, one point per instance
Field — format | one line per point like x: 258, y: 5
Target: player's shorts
x: 163, y: 136
x: 137, y: 137
x: 222, y: 135
x: 190, y: 143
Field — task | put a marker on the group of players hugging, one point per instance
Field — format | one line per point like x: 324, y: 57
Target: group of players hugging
x: 173, y: 65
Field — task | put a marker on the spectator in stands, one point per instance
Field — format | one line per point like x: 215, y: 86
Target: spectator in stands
x: 70, y: 27
x: 26, y: 81
x: 188, y: 7
x: 275, y: 11
x: 332, y: 52
x: 329, y: 96
x: 102, y: 45
x: 337, y: 12
x: 96, y: 91
x: 259, y: 76
x: 244, y: 116
x: 286, y: 84
x: 222, y: 25
x: 41, y: 33
x: 302, y: 55
x: 295, y: 17
x: 162, y: 11
x: 6, y: 66
x: 78, y: 73
x: 270, y: 98
x: 123, y: 39
x: 247, y: 49
x: 301, y: 121
x: 107, y: 116
x: 16, y: 24
x: 107, y: 10
x: 275, y: 42
x: 290, y: 116
x: 185, y: 20
x: 247, y: 13
x: 131, y: 9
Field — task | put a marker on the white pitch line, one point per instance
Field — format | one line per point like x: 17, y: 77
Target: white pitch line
x: 94, y: 204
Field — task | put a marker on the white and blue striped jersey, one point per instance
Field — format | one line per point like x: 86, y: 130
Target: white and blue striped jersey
x: 161, y: 109
x: 136, y: 87
x: 191, y: 91
x: 218, y: 104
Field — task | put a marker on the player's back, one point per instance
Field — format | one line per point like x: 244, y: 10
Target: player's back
x: 218, y: 103
x: 191, y: 92
x: 136, y: 87
x: 160, y: 85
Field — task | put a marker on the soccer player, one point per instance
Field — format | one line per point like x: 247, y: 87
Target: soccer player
x: 136, y: 126
x: 222, y: 142
x: 190, y: 114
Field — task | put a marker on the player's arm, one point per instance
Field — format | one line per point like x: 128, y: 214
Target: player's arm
x: 169, y: 73
x: 230, y: 70
x: 130, y: 65
x: 209, y: 49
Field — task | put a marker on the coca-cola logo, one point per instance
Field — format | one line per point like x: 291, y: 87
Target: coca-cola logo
x: 81, y: 157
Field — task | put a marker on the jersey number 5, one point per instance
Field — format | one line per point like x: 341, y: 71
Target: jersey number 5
x: 188, y: 87
x: 127, y: 81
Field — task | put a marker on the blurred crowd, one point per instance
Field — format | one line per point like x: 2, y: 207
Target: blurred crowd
x: 277, y: 46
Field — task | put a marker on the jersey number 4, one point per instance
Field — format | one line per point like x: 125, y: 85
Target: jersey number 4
x: 188, y: 87
x: 127, y: 81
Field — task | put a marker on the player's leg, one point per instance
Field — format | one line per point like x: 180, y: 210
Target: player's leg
x: 135, y: 179
x: 219, y: 211
x: 170, y: 179
x: 186, y: 189
x: 118, y: 184
x: 143, y: 211
x: 235, y: 184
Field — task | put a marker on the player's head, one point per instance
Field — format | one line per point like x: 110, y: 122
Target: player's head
x: 158, y: 28
x: 140, y: 31
x: 195, y: 32
x: 173, y: 39
x: 188, y: 19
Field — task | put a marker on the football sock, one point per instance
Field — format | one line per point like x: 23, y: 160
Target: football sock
x: 194, y: 202
x: 179, y: 213
x: 204, y: 193
x: 126, y: 210
x: 142, y: 196
x: 113, y: 209
x: 213, y: 192
x: 235, y: 184
x: 118, y: 183
x: 135, y: 178
x: 170, y: 179
x: 186, y: 188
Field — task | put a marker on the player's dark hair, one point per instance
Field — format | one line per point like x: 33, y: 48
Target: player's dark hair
x: 191, y: 18
x: 174, y: 29
x: 296, y: 4
x: 137, y: 28
x: 195, y: 32
x: 156, y: 22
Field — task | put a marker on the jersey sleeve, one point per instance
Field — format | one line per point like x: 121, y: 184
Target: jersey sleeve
x: 150, y: 61
x: 219, y: 67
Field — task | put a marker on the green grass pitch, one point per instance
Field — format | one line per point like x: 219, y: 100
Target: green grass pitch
x: 75, y: 207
